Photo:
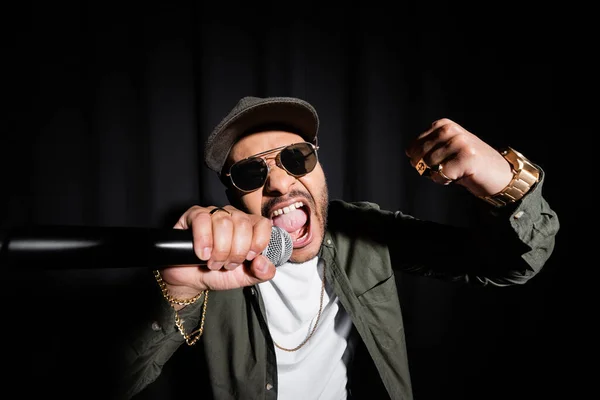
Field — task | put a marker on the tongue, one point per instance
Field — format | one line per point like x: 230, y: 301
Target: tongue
x: 291, y: 221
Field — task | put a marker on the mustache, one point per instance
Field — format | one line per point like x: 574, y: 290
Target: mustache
x: 271, y: 203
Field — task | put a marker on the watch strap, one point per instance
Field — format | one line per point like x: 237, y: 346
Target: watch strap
x: 525, y: 175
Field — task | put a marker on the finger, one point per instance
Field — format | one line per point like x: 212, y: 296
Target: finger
x: 241, y: 240
x: 222, y: 233
x: 196, y: 219
x: 440, y: 175
x: 442, y: 122
x: 422, y: 144
x: 432, y: 153
x: 186, y: 220
x: 431, y: 146
x: 451, y: 159
x: 414, y: 150
x: 261, y: 235
x: 261, y: 269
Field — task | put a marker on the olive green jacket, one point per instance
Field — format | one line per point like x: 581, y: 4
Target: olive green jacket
x: 363, y: 248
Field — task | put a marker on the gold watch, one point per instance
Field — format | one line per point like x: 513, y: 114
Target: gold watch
x: 525, y: 175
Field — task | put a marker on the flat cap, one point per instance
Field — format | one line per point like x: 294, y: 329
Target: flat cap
x: 251, y: 113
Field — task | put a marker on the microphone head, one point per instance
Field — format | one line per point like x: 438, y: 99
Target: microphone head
x: 280, y: 247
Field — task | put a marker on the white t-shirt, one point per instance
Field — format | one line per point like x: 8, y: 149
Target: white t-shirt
x: 318, y: 370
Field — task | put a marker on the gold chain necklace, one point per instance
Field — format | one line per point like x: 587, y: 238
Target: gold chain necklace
x: 316, y: 322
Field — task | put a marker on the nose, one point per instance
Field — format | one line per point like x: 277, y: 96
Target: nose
x: 278, y: 182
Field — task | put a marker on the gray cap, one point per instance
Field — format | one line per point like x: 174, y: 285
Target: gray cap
x: 253, y: 112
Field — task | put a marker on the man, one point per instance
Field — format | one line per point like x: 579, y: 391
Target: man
x: 327, y: 324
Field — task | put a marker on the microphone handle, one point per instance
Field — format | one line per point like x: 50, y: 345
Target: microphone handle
x: 73, y: 247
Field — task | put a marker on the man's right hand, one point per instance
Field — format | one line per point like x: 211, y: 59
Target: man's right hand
x: 231, y: 243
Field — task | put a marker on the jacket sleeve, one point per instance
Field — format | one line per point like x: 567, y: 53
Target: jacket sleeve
x: 152, y: 340
x: 506, y: 246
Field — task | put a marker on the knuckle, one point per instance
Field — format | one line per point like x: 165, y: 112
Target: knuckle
x: 440, y: 122
x: 224, y: 223
x: 202, y: 218
x: 243, y: 223
x: 261, y: 241
x: 264, y: 223
x: 201, y: 225
x: 220, y: 255
x: 195, y: 211
x: 444, y: 131
x: 194, y: 218
x: 237, y: 258
x: 460, y: 142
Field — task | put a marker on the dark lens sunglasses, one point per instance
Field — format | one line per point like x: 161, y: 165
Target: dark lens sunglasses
x: 251, y: 173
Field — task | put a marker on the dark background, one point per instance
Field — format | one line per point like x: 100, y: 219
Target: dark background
x: 109, y: 104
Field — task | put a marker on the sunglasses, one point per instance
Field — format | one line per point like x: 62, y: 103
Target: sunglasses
x: 251, y: 173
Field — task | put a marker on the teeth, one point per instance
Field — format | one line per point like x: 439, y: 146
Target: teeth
x: 287, y: 209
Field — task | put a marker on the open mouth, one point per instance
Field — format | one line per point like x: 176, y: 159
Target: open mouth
x: 295, y: 219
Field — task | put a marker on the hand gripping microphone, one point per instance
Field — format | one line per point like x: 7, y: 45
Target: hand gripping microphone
x: 80, y: 247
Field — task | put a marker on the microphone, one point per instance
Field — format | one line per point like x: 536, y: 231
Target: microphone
x: 80, y: 247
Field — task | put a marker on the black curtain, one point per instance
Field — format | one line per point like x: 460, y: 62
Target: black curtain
x: 109, y: 105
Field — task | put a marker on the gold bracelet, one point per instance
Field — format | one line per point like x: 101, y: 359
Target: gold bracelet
x: 192, y: 337
x: 171, y: 299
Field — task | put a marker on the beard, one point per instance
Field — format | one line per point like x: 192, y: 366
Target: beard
x: 323, y: 207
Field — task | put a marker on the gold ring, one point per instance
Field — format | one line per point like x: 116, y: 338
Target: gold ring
x: 421, y: 167
x: 448, y: 180
x: 214, y: 210
x: 438, y: 168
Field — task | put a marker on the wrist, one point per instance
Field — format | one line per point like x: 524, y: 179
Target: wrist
x: 178, y: 296
x: 182, y: 292
x: 178, y: 303
x: 525, y: 176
